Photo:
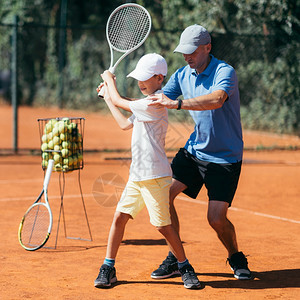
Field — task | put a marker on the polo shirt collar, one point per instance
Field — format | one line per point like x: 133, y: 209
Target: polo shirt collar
x: 208, y: 69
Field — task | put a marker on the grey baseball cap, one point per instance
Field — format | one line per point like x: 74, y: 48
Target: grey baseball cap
x: 191, y: 38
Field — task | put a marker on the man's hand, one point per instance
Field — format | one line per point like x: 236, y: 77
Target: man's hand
x: 161, y: 100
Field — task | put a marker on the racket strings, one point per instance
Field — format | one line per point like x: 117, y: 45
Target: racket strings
x: 128, y: 27
x: 35, y: 226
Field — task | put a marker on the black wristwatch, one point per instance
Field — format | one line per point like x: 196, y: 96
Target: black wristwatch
x: 179, y: 104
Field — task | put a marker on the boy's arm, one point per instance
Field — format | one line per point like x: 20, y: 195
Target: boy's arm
x: 116, y: 99
x: 122, y: 121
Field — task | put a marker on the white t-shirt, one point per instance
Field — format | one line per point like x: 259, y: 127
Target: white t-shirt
x: 150, y: 126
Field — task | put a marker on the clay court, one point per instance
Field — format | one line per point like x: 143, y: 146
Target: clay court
x: 265, y: 213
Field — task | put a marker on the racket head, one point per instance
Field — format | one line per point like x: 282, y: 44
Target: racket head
x: 35, y: 227
x: 128, y: 27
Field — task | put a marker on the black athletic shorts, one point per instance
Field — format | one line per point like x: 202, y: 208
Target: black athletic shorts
x: 220, y: 180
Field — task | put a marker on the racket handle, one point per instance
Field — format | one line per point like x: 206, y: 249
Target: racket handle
x: 48, y: 173
x: 101, y: 92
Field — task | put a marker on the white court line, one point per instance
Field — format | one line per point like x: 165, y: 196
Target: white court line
x: 182, y: 198
x: 20, y: 181
x: 265, y: 215
x: 242, y: 210
x: 50, y: 197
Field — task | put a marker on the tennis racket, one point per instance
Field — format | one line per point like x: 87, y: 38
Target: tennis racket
x: 36, y: 224
x: 127, y: 28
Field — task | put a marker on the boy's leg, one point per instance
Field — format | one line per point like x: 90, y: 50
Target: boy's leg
x: 107, y: 273
x: 174, y: 241
x: 169, y: 266
x: 116, y: 234
x: 187, y: 272
x: 176, y: 188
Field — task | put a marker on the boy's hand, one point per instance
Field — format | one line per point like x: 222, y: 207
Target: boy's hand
x: 104, y: 87
x: 108, y: 76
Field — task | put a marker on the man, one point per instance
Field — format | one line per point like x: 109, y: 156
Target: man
x: 212, y: 155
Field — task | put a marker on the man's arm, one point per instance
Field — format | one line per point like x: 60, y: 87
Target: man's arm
x: 210, y: 101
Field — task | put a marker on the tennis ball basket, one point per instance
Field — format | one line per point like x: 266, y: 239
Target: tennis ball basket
x: 62, y: 141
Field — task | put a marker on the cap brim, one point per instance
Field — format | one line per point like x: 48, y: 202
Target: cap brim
x: 185, y: 49
x: 140, y: 76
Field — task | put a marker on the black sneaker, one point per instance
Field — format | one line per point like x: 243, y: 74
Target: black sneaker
x: 168, y: 268
x: 189, y: 277
x: 106, y: 276
x: 239, y: 265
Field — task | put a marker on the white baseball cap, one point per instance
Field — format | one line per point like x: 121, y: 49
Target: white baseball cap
x: 148, y: 66
x: 191, y: 38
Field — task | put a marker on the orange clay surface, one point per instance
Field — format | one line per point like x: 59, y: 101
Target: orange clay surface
x: 265, y: 213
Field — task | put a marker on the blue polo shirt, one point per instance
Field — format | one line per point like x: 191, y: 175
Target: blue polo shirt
x: 217, y: 135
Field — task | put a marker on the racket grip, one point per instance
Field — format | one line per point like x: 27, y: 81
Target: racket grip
x: 48, y: 173
x: 101, y: 93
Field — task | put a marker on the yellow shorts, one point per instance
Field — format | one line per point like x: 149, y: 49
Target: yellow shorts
x: 153, y: 193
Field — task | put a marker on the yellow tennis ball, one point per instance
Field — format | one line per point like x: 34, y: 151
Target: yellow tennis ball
x: 64, y: 152
x: 44, y: 147
x: 50, y: 125
x: 50, y: 136
x: 65, y: 168
x: 44, y: 138
x: 72, y: 128
x: 45, y: 156
x: 48, y: 128
x: 62, y: 127
x: 57, y: 167
x: 56, y: 140
x: 57, y: 158
x: 53, y: 121
x: 44, y: 163
x: 63, y: 136
x: 65, y: 144
x: 66, y: 121
x: 55, y: 131
x: 50, y: 145
x: 57, y: 148
x: 68, y: 161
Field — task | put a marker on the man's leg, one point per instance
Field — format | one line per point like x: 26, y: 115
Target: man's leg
x: 217, y: 218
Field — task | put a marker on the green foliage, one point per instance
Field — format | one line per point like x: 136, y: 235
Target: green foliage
x: 273, y: 99
x: 259, y: 38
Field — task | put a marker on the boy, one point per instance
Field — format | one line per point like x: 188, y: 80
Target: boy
x: 150, y: 172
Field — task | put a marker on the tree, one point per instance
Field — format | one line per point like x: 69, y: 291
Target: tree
x: 259, y: 38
